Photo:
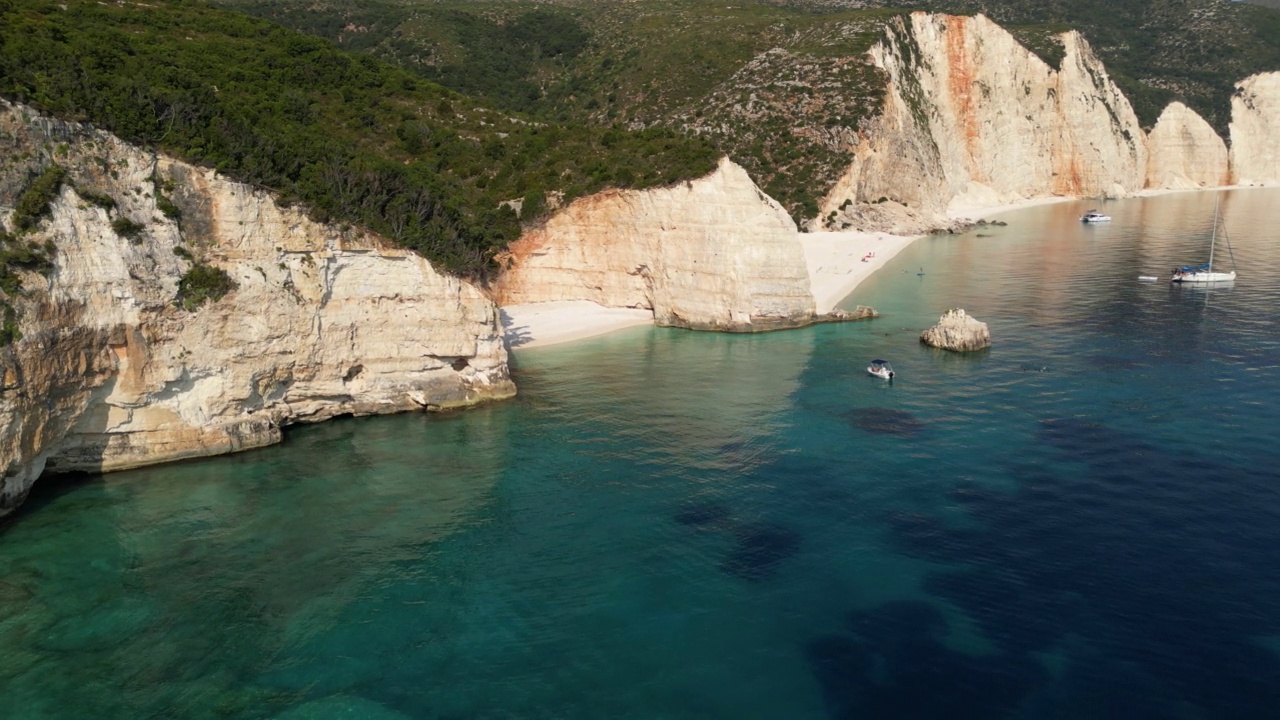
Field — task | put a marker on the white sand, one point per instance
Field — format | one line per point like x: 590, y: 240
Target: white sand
x: 548, y: 323
x: 835, y: 259
x: 838, y: 261
x: 976, y: 212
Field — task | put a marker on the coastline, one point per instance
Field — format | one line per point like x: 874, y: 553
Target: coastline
x: 835, y: 261
x: 550, y: 323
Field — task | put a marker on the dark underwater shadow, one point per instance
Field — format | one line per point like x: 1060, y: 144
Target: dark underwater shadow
x: 891, y: 663
x: 1158, y: 570
x: 47, y: 491
x: 886, y: 421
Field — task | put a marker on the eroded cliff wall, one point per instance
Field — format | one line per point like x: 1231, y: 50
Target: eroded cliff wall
x: 714, y: 253
x: 1255, y: 130
x: 111, y: 371
x: 973, y: 118
x: 1183, y: 152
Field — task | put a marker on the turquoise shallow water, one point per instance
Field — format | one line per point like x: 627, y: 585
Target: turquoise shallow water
x: 1080, y: 522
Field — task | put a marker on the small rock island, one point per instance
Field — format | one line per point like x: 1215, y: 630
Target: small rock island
x: 957, y: 332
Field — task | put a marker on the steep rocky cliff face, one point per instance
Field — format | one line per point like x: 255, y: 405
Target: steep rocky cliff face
x: 1183, y: 152
x: 112, y: 371
x: 714, y: 253
x: 1255, y: 130
x: 974, y: 118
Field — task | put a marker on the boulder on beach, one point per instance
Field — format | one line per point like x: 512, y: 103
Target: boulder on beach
x: 958, y: 332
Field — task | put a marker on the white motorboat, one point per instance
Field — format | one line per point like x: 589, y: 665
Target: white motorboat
x: 1093, y: 216
x: 1205, y: 273
x: 881, y: 369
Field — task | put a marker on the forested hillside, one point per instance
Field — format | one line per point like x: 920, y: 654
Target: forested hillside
x: 782, y: 85
x: 354, y: 138
x: 783, y: 92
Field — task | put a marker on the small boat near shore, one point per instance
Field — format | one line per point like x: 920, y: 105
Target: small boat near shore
x: 1093, y: 216
x: 881, y: 369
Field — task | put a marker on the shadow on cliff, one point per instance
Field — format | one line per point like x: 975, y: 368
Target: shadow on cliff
x: 515, y: 335
x: 46, y: 491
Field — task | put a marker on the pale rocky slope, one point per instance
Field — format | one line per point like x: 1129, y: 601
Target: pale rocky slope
x: 1255, y: 130
x: 714, y: 253
x: 1183, y: 152
x: 973, y: 118
x: 111, y: 373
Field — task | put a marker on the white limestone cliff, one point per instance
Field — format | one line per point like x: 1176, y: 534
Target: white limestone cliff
x: 111, y: 372
x: 1255, y: 130
x: 972, y: 118
x: 1183, y: 152
x: 713, y: 253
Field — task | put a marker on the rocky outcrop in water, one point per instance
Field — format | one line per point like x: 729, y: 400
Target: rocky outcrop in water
x: 958, y: 332
x: 1183, y: 152
x: 1255, y: 130
x: 112, y: 371
x: 714, y: 254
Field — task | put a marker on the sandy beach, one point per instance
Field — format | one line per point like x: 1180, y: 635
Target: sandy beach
x: 837, y: 262
x: 536, y: 324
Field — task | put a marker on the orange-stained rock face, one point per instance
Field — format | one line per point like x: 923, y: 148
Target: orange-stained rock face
x: 960, y: 84
x: 712, y: 253
x: 974, y: 118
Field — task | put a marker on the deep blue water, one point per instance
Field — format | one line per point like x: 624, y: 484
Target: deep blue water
x: 1081, y: 522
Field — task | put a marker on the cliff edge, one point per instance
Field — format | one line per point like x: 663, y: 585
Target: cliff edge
x: 114, y: 363
x: 712, y: 254
x: 972, y: 118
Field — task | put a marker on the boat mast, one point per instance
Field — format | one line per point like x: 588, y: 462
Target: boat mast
x: 1214, y: 238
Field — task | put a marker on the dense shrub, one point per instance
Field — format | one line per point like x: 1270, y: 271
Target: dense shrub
x: 106, y: 202
x: 127, y: 228
x: 17, y: 255
x: 9, y: 332
x: 203, y: 282
x: 33, y: 203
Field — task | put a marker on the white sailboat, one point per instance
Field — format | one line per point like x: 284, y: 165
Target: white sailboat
x: 1205, y: 273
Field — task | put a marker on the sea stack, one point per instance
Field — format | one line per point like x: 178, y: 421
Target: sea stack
x: 957, y: 332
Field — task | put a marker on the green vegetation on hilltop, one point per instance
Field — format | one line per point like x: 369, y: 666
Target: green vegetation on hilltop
x: 783, y: 92
x: 350, y: 137
x: 783, y: 86
x: 498, y: 55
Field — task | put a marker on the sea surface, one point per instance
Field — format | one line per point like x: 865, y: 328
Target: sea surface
x: 1081, y: 522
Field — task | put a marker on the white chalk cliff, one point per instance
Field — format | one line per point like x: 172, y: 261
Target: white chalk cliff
x: 972, y: 118
x: 714, y: 253
x: 1255, y: 130
x: 111, y: 373
x: 1184, y: 152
